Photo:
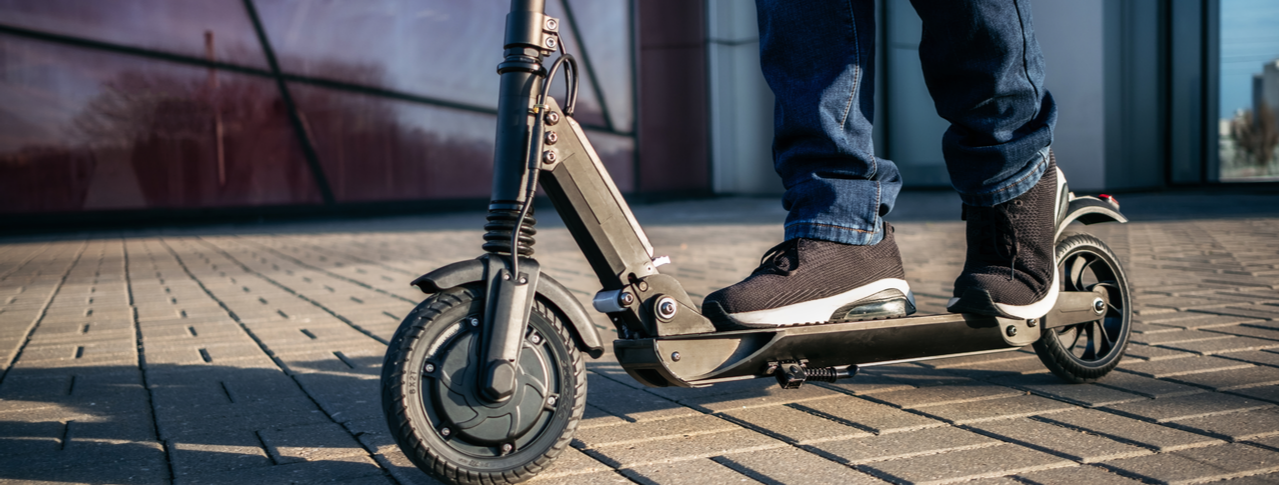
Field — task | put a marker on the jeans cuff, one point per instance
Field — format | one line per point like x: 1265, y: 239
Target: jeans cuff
x: 835, y: 233
x: 1017, y: 185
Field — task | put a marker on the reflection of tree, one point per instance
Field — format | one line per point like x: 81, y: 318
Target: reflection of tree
x: 1256, y: 136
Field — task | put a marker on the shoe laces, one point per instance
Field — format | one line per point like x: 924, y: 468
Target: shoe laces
x: 776, y: 259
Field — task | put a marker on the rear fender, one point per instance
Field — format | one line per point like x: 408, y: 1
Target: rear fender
x: 472, y: 271
x: 1090, y: 210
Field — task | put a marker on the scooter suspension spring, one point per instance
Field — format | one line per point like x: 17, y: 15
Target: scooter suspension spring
x: 500, y: 223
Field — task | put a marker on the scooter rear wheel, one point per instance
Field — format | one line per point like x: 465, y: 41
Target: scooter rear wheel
x: 1087, y: 351
x: 433, y: 406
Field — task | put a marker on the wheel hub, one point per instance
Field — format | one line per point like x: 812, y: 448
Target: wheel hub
x: 453, y: 389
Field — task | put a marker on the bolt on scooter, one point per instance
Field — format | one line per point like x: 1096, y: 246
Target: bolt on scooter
x: 484, y: 381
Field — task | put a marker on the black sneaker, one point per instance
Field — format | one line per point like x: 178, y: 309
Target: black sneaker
x: 1009, y: 268
x: 807, y: 281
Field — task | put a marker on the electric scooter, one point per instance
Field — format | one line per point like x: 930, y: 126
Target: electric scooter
x: 484, y: 382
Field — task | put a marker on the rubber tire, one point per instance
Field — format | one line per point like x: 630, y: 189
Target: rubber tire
x: 1058, y: 358
x: 420, y: 441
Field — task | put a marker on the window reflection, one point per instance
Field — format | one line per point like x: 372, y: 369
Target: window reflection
x: 605, y: 26
x: 441, y: 49
x: 374, y: 148
x: 91, y: 130
x: 217, y: 29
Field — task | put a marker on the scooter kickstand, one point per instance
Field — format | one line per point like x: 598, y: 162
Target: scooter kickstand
x: 792, y: 374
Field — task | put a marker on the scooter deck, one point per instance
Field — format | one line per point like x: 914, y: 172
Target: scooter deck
x: 703, y: 359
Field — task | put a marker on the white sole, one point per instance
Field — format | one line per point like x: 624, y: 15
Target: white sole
x: 820, y: 310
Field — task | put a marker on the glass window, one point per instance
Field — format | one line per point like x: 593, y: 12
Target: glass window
x: 374, y: 148
x: 84, y: 129
x: 605, y: 26
x: 446, y: 50
x: 1247, y: 134
x: 218, y: 29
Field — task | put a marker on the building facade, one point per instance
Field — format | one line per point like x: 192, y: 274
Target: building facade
x: 173, y: 108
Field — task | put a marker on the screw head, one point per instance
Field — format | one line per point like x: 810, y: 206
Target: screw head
x: 552, y: 24
x: 1099, y: 306
x: 552, y: 138
x: 551, y: 118
x: 551, y: 401
x: 473, y: 321
x: 550, y: 42
x: 429, y: 368
x: 675, y: 356
x: 1011, y: 330
x: 506, y: 447
x: 445, y: 432
x: 535, y: 338
x: 626, y: 298
x: 549, y: 156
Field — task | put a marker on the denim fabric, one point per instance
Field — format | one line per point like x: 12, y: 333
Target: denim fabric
x: 983, y: 68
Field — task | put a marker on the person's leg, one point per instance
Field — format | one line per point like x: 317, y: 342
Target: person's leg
x: 838, y: 261
x: 985, y: 71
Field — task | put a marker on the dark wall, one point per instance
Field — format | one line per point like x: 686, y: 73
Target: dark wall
x: 673, y: 97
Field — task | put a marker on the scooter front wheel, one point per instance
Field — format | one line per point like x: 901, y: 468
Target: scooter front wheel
x: 1085, y: 352
x: 434, y: 408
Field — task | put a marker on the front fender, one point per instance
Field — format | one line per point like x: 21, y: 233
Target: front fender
x: 472, y: 271
x: 1089, y: 210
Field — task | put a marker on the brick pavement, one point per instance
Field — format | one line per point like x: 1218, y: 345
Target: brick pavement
x: 251, y: 355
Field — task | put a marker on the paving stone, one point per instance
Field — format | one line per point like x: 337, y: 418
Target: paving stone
x: 1233, y: 379
x: 1184, y: 407
x: 1223, y: 345
x: 769, y: 396
x: 870, y: 416
x: 575, y: 464
x: 1057, y: 440
x: 865, y: 382
x: 1271, y: 442
x: 631, y: 404
x: 1260, y: 357
x: 944, y: 395
x: 1128, y: 430
x: 683, y: 448
x: 330, y: 470
x: 1167, y: 338
x: 1090, y: 395
x: 1146, y: 386
x: 1198, y: 465
x: 1263, y: 479
x: 1007, y: 408
x: 691, y: 472
x: 1149, y: 352
x: 901, y: 445
x: 1178, y: 367
x: 919, y: 376
x: 1197, y: 320
x: 792, y: 466
x: 317, y: 442
x: 608, y: 476
x: 1248, y: 331
x: 634, y: 433
x: 215, y: 453
x: 1262, y: 393
x: 792, y: 425
x: 1242, y: 426
x: 1075, y: 475
x: 1256, y: 311
x: 962, y: 465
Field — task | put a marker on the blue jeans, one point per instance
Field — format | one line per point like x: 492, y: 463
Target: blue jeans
x: 983, y: 68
